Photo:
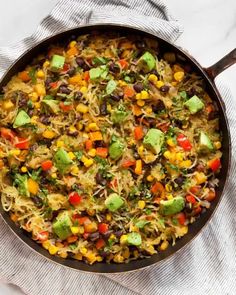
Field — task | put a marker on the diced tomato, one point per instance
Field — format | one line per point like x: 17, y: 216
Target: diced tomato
x: 214, y: 164
x: 66, y: 107
x: 123, y: 63
x: 85, y: 236
x: 84, y: 219
x: 7, y: 133
x: 103, y: 228
x: 195, y: 189
x: 86, y: 76
x: 66, y: 67
x: 102, y: 152
x: 191, y: 199
x: 43, y: 236
x: 197, y: 210
x: 129, y: 91
x: 72, y: 239
x: 100, y: 244
x: 158, y: 190
x: 128, y: 163
x: 184, y: 142
x: 88, y: 144
x: 211, y: 196
x: 138, y: 132
x: 54, y: 85
x: 181, y: 218
x: 75, y: 198
x: 24, y: 76
x: 22, y: 143
x: 46, y: 165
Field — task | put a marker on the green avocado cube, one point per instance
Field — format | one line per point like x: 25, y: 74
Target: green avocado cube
x: 111, y: 86
x: 154, y: 140
x: 147, y: 62
x: 113, y: 202
x: 134, y: 239
x: 52, y: 104
x: 99, y: 72
x: 173, y: 206
x: 62, y: 160
x: 116, y: 149
x: 205, y: 142
x: 21, y: 119
x: 61, y: 227
x: 57, y: 63
x: 118, y: 116
x: 194, y: 104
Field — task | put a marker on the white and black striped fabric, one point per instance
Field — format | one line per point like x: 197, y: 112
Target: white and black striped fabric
x: 206, y: 266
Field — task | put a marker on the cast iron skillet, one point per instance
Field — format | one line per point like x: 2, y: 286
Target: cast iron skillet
x: 208, y: 74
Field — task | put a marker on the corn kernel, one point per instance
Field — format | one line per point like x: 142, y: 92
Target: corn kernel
x: 34, y: 96
x: 135, y: 253
x: 138, y: 167
x: 46, y: 64
x: 60, y: 143
x: 200, y: 177
x: 169, y: 196
x: 148, y: 110
x: 83, y: 159
x: 54, y: 175
x: 170, y: 142
x: 177, y: 68
x: 185, y: 164
x: 71, y: 155
x: 92, y: 152
x: 108, y: 217
x: 152, y: 78
x: 122, y: 83
x: 164, y: 245
x: 140, y: 150
x: 140, y: 103
x: 141, y: 204
x: 37, y: 105
x: 144, y: 94
x: 72, y: 129
x: 174, y: 83
x: 34, y: 119
x: 72, y: 44
x: 78, y: 256
x: 217, y: 145
x: 159, y: 84
x: 15, y: 152
x: 167, y: 154
x: 53, y: 249
x: 81, y: 230
x: 83, y: 89
x: 126, y: 253
x: 49, y: 134
x: 40, y: 89
x: 99, y: 258
x: 150, y: 178
x: 46, y: 244
x: 138, y: 96
x: 63, y: 255
x: 180, y: 157
x: 123, y: 239
x: 74, y: 230
x: 83, y: 250
x: 88, y: 163
x: 93, y: 127
x: 82, y: 108
x: 79, y: 126
x: 112, y: 237
x: 168, y: 187
x: 7, y: 105
x: 40, y: 74
x: 179, y: 76
x: 109, y: 108
x: 24, y: 169
x: 59, y: 245
x: 91, y: 257
x: 74, y: 170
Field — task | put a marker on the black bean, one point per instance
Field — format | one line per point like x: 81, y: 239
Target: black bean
x: 100, y: 179
x: 45, y: 119
x: 103, y: 108
x: 64, y: 89
x: 188, y: 208
x: 212, y: 115
x: 94, y: 236
x: 118, y: 233
x: 136, y: 155
x: 191, y: 170
x: 159, y: 106
x: 138, y: 87
x: 115, y: 97
x: 71, y: 71
x: 78, y: 95
x: 104, y: 254
x: 179, y: 180
x: 114, y: 68
x: 31, y: 112
x: 37, y: 201
x: 80, y: 61
x: 107, y: 234
x: 178, y: 123
x: 164, y: 88
x: 191, y: 92
x: 152, y: 122
x: 155, y: 72
x: 48, y: 82
x: 140, y: 44
x: 99, y: 143
x: 23, y: 102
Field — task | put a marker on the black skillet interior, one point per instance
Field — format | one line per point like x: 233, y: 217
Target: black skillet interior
x: 195, y: 228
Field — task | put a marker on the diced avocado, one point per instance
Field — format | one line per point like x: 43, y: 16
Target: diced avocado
x: 205, y: 142
x: 62, y: 160
x: 62, y: 225
x: 141, y: 223
x: 113, y: 202
x: 147, y: 62
x: 116, y: 149
x: 111, y: 86
x: 99, y: 72
x: 118, y: 116
x: 172, y: 206
x: 52, y: 103
x: 194, y: 104
x: 134, y: 239
x: 57, y: 63
x: 21, y: 119
x: 154, y: 140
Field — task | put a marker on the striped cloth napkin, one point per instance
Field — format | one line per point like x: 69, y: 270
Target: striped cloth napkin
x: 206, y: 266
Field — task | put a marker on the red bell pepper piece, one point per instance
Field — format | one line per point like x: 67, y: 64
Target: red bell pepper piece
x: 43, y: 236
x: 184, y: 142
x: 102, y: 152
x: 83, y: 220
x: 123, y: 63
x: 66, y: 67
x: 85, y: 236
x: 128, y: 163
x: 191, y: 199
x: 214, y: 164
x: 103, y: 228
x: 75, y: 198
x: 86, y: 76
x: 66, y: 107
x: 7, y: 133
x: 54, y: 85
x: 46, y: 165
x: 138, y: 132
x: 181, y: 218
x: 100, y: 244
x: 22, y: 143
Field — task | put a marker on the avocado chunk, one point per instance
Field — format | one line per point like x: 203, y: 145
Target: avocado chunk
x: 194, y: 104
x: 118, y: 115
x: 57, y: 63
x: 21, y: 119
x: 62, y: 160
x: 111, y: 86
x: 134, y: 239
x: 62, y: 225
x: 99, y: 72
x: 154, y: 140
x: 205, y: 143
x: 147, y: 62
x: 113, y: 202
x: 172, y: 206
x: 116, y: 149
x: 51, y: 103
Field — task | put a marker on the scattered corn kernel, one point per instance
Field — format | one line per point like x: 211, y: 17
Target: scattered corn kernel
x: 46, y: 244
x: 40, y: 74
x: 108, y: 217
x: 59, y: 245
x: 53, y: 249
x: 169, y: 196
x: 140, y: 102
x: 74, y: 170
x: 174, y: 83
x: 164, y: 245
x: 15, y: 152
x: 152, y: 78
x: 217, y: 145
x: 109, y: 108
x: 82, y: 108
x: 150, y: 178
x: 83, y: 89
x: 123, y: 239
x: 185, y: 164
x: 159, y: 84
x: 46, y: 64
x: 37, y: 105
x: 79, y: 126
x: 138, y: 167
x: 93, y: 127
x: 88, y: 163
x: 60, y: 143
x: 179, y: 76
x: 7, y: 105
x: 54, y: 175
x: 170, y: 142
x: 63, y: 255
x: 83, y: 250
x: 177, y: 68
x: 78, y: 256
x: 72, y: 44
x: 91, y: 257
x: 112, y: 237
x: 126, y: 253
x: 180, y: 157
x: 49, y: 134
x: 40, y: 89
x: 24, y: 169
x: 99, y: 258
x: 34, y: 96
x: 33, y: 186
x: 71, y: 155
x: 122, y: 83
x: 92, y: 152
x: 34, y: 119
x: 138, y: 96
x: 167, y: 154
x: 140, y: 150
x: 200, y: 177
x: 74, y: 230
x: 144, y: 94
x: 141, y: 204
x: 168, y: 187
x: 148, y: 110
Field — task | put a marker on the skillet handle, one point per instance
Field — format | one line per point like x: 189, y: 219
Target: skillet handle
x: 221, y: 65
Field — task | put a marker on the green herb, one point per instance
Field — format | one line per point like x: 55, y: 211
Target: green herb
x: 173, y: 167
x: 30, y: 104
x: 73, y: 246
x: 97, y: 61
x: 35, y: 175
x: 78, y: 155
x: 161, y: 222
x: 32, y: 74
x: 184, y: 95
x: 101, y: 161
x: 48, y: 213
x: 141, y: 223
x: 175, y: 221
x: 99, y: 72
x: 127, y: 79
x: 111, y: 86
x: 21, y: 181
x: 148, y: 211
